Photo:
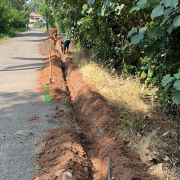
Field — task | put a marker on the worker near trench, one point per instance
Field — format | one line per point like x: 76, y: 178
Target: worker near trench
x: 54, y: 32
x: 64, y: 44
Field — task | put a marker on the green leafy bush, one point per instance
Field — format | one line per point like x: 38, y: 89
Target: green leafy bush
x: 172, y: 84
x: 38, y: 24
x: 11, y: 18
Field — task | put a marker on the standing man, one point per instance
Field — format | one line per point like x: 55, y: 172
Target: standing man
x: 54, y: 32
x: 66, y: 43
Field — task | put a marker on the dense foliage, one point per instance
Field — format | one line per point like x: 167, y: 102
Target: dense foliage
x: 139, y: 36
x: 158, y: 40
x: 35, y: 6
x: 12, y: 15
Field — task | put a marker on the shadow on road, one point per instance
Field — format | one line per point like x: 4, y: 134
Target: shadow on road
x: 29, y: 33
x: 23, y: 67
x: 19, y: 96
x: 25, y: 58
x: 20, y: 99
x: 39, y: 40
x: 20, y: 133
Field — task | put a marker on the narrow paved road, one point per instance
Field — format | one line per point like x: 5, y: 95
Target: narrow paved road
x: 19, y: 61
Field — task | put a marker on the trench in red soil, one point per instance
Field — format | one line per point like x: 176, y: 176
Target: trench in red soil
x: 86, y: 145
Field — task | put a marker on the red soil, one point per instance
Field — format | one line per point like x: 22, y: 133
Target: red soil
x: 85, y: 145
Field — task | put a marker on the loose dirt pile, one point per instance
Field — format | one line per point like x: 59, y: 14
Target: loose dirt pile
x: 86, y: 143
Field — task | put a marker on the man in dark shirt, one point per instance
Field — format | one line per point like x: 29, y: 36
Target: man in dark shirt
x: 66, y: 43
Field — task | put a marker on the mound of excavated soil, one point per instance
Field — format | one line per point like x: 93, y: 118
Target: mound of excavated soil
x: 62, y: 150
x: 85, y: 145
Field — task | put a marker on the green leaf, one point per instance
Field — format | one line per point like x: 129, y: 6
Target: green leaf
x: 177, y: 85
x: 154, y: 33
x: 146, y: 42
x: 79, y: 22
x: 98, y: 1
x: 133, y: 30
x: 134, y: 9
x: 157, y: 11
x: 107, y: 3
x: 167, y: 12
x: 170, y: 3
x: 141, y: 45
x: 161, y: 42
x: 150, y: 72
x: 166, y: 79
x: 167, y: 87
x: 143, y: 75
x: 102, y: 12
x: 148, y: 51
x: 155, y: 1
x: 176, y: 21
x: 142, y: 4
x: 171, y: 28
x: 119, y: 8
x: 85, y: 7
x: 136, y: 38
x: 90, y: 10
x: 176, y: 97
x: 90, y: 2
x: 143, y: 29
x: 177, y: 76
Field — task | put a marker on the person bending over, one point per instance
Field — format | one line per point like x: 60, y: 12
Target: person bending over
x: 65, y: 44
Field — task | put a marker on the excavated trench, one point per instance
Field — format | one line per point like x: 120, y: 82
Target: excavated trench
x: 85, y: 143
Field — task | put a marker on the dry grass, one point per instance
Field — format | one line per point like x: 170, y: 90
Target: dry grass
x: 171, y: 175
x: 116, y: 89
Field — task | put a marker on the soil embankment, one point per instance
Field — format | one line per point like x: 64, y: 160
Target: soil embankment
x: 86, y: 144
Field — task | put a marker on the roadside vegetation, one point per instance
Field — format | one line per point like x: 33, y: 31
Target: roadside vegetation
x: 11, y: 33
x: 13, y: 19
x: 39, y: 24
x: 14, y: 16
x: 134, y: 37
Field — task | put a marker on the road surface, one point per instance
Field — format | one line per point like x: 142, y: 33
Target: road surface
x: 19, y: 61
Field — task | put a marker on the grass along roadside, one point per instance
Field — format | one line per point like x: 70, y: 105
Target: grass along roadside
x: 143, y: 126
x: 11, y: 33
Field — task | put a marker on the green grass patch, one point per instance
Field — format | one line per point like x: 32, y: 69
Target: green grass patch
x: 11, y: 33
